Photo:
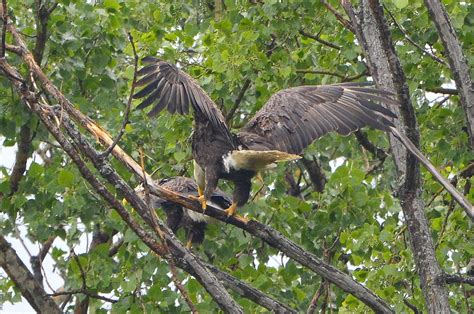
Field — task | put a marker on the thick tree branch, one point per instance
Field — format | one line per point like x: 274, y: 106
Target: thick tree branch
x: 374, y: 150
x: 316, y: 173
x: 374, y: 37
x: 457, y: 61
x: 459, y: 279
x: 24, y: 280
x: 25, y: 137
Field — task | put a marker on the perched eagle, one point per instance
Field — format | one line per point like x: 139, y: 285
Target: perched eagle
x: 290, y: 120
x: 178, y: 217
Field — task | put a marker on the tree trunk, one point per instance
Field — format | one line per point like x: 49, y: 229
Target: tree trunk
x: 374, y: 36
x: 457, y: 62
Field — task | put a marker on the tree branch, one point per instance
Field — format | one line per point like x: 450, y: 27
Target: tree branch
x: 374, y: 150
x: 346, y: 23
x: 319, y: 39
x: 316, y: 173
x: 238, y: 100
x: 457, y: 62
x: 374, y: 36
x: 459, y: 279
x: 24, y: 280
x: 343, y: 78
x: 442, y: 90
x: 238, y: 286
x: 129, y: 103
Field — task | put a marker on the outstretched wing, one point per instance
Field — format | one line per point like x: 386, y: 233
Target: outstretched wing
x: 293, y: 118
x: 165, y: 86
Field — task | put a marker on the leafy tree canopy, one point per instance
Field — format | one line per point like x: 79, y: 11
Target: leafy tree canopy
x: 241, y: 52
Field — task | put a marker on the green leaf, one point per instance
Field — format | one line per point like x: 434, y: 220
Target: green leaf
x: 66, y: 178
x: 400, y: 3
x: 112, y: 4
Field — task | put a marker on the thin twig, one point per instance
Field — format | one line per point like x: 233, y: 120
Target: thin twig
x: 445, y: 223
x: 83, y: 291
x: 52, y: 8
x: 314, y: 301
x: 319, y: 39
x: 410, y: 40
x: 4, y: 28
x: 238, y: 100
x: 129, y: 103
x: 343, y: 77
x: 83, y: 274
x: 411, y: 306
x: 347, y: 24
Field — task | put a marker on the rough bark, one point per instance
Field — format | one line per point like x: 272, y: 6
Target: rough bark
x: 23, y: 153
x: 457, y: 61
x: 24, y: 280
x: 25, y: 137
x: 374, y: 37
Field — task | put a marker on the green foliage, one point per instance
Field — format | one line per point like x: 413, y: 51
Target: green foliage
x: 357, y: 217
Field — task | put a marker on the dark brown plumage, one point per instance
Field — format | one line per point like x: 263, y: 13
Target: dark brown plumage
x: 290, y: 120
x: 178, y: 217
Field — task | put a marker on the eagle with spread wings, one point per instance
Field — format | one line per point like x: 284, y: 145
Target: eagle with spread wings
x: 290, y: 120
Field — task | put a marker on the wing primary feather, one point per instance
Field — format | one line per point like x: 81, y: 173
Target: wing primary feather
x: 147, y: 79
x: 153, y: 96
x: 179, y: 100
x: 147, y: 69
x: 163, y: 101
x: 374, y: 107
x: 150, y: 59
x: 375, y: 97
x: 172, y: 102
x: 146, y: 90
x: 184, y: 99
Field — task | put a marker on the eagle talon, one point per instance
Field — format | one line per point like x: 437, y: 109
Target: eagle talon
x: 231, y: 210
x: 201, y: 200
